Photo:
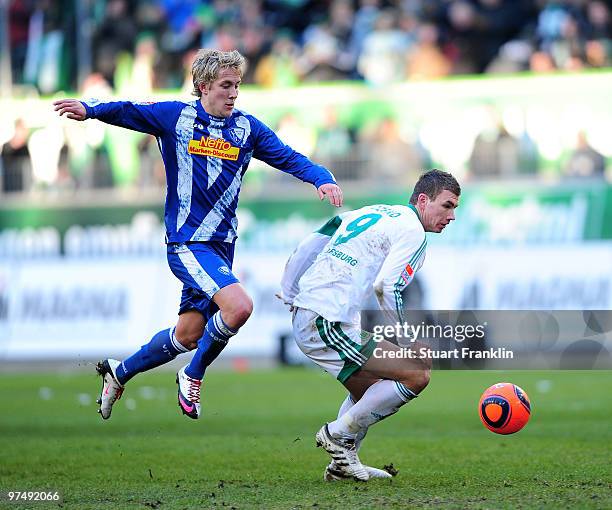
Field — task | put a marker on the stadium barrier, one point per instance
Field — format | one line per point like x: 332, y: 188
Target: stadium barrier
x: 86, y: 308
x: 87, y: 280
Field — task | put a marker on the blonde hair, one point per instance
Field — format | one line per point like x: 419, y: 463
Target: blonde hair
x: 208, y: 63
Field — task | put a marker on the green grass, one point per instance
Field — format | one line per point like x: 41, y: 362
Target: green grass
x: 255, y: 449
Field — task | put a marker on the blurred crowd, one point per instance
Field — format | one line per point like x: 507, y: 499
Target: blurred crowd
x: 382, y: 154
x: 291, y: 41
x: 133, y: 48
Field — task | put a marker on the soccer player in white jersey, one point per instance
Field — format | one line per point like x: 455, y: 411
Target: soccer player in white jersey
x: 327, y: 281
x: 206, y: 145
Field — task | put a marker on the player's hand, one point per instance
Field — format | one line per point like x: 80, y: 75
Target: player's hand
x: 72, y: 108
x: 333, y: 192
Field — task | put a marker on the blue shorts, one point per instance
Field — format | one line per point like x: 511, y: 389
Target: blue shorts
x: 204, y: 268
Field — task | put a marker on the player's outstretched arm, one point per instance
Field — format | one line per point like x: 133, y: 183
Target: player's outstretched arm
x: 72, y: 108
x: 332, y: 192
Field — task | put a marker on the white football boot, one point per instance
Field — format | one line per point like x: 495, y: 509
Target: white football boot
x: 343, y: 453
x: 188, y: 394
x: 334, y: 474
x: 111, y: 388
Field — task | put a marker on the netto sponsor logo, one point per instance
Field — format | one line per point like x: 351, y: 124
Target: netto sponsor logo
x: 215, y: 147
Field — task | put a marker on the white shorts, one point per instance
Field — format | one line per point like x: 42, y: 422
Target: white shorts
x: 337, y: 347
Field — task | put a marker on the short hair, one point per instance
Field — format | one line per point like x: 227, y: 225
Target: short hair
x: 208, y: 63
x: 433, y: 182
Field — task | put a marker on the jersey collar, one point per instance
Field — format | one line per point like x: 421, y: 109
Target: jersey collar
x: 411, y: 206
x: 416, y: 211
x: 211, y: 119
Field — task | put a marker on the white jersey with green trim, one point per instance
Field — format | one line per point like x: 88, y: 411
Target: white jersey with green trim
x: 376, y: 247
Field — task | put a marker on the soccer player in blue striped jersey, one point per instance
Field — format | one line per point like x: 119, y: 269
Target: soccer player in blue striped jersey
x: 206, y: 146
x: 327, y: 281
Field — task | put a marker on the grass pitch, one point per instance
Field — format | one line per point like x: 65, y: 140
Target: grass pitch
x: 254, y: 448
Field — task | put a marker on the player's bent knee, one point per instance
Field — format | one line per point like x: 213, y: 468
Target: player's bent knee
x: 188, y: 337
x: 237, y: 314
x: 246, y: 309
x: 425, y: 378
x: 422, y: 379
x: 189, y: 341
x: 417, y: 380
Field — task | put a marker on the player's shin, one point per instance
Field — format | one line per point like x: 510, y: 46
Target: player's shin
x: 347, y: 404
x: 162, y: 348
x: 381, y: 400
x: 214, y: 340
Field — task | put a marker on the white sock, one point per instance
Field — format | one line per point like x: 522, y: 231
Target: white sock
x: 347, y: 404
x: 382, y: 399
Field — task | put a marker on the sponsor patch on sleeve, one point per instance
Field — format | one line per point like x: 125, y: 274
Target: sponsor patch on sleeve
x: 407, y: 273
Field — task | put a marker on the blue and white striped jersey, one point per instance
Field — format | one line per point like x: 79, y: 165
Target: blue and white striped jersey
x: 205, y: 159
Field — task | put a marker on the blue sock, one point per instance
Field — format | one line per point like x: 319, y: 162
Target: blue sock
x: 162, y: 348
x: 213, y: 341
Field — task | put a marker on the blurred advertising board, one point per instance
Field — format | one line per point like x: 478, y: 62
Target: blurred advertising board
x: 498, y: 214
x: 66, y: 308
x: 87, y: 308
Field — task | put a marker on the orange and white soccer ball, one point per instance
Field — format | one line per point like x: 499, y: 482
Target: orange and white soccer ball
x: 504, y: 408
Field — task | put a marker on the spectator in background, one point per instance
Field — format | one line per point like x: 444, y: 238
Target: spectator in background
x: 278, y: 68
x: 134, y: 72
x: 425, y: 60
x: 568, y: 51
x: 186, y: 62
x: 183, y: 26
x: 89, y: 163
x: 551, y: 21
x: 256, y: 36
x: 541, y: 62
x: 150, y: 17
x: 117, y: 33
x: 574, y: 35
x: 327, y: 55
x: 599, y: 44
x: 496, y: 153
x: 478, y: 28
x: 296, y: 134
x: 364, y: 20
x: 45, y: 147
x: 253, y: 46
x: 513, y: 57
x: 383, y: 57
x: 225, y: 37
x: 293, y: 15
x: 47, y: 39
x: 597, y: 53
x: 145, y: 60
x: 389, y: 154
x: 599, y: 20
x: 474, y: 35
x: 585, y: 161
x: 16, y: 168
x: 19, y: 21
x: 334, y: 147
